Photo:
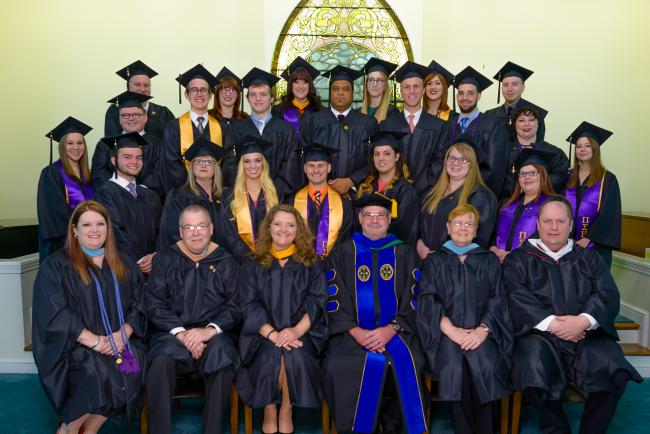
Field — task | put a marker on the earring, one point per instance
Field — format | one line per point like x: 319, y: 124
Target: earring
x: 76, y: 235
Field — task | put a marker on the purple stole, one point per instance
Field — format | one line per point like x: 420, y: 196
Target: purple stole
x: 75, y: 193
x: 523, y: 228
x: 584, y: 217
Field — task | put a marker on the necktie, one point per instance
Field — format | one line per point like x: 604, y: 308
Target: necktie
x: 341, y: 118
x: 318, y: 198
x: 131, y: 187
x: 411, y: 123
x: 260, y: 125
x: 508, y: 114
x: 463, y: 124
x: 200, y: 120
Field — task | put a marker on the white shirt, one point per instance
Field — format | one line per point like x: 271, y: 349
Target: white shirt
x: 195, y: 116
x: 546, y: 322
x: 336, y: 113
x: 416, y: 116
x: 121, y: 181
x: 177, y: 330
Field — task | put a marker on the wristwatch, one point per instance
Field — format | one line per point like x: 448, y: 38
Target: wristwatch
x: 397, y: 327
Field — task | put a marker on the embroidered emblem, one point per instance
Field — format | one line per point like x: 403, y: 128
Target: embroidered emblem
x: 386, y: 272
x: 363, y: 273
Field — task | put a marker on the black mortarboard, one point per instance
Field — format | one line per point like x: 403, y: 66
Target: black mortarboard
x: 541, y: 113
x: 129, y: 99
x: 202, y: 147
x: 136, y: 68
x: 258, y: 76
x: 585, y: 129
x: 436, y: 67
x: 511, y: 70
x: 390, y: 138
x: 298, y: 64
x: 411, y: 69
x: 533, y: 156
x: 342, y: 73
x: 126, y: 140
x: 373, y: 199
x: 383, y: 66
x: 468, y: 139
x: 249, y: 144
x: 225, y: 72
x: 317, y: 152
x: 197, y: 71
x: 470, y: 75
x: 69, y: 125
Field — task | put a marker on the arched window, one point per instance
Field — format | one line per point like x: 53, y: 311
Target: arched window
x: 340, y: 32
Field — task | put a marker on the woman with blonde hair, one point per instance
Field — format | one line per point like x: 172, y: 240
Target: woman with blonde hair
x: 62, y: 185
x: 203, y: 187
x: 283, y: 300
x: 376, y: 93
x: 459, y: 183
x: 252, y: 195
x: 437, y: 90
x: 87, y: 326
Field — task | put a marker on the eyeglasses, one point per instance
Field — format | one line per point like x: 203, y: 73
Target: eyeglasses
x: 466, y: 225
x: 204, y: 162
x: 198, y: 90
x: 127, y: 116
x: 376, y: 81
x: 531, y: 174
x: 379, y: 215
x: 200, y: 227
x: 227, y: 90
x: 457, y: 160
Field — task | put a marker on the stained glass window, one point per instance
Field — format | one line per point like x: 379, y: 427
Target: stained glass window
x: 340, y: 32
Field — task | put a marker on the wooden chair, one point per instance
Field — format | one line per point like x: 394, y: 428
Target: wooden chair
x: 572, y: 394
x: 189, y: 387
x: 325, y: 417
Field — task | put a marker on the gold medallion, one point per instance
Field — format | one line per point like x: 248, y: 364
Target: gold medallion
x: 363, y: 273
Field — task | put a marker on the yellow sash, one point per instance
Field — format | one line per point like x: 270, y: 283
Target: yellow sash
x: 245, y: 227
x: 187, y: 134
x: 335, y: 208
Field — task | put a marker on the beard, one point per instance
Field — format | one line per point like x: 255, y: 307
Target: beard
x: 469, y: 109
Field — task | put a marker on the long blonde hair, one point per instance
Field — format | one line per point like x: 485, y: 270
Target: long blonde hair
x: 472, y: 179
x: 217, y: 184
x: 382, y: 108
x: 240, y: 200
x: 84, y: 167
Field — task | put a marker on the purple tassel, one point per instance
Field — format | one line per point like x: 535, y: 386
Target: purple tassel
x: 129, y: 363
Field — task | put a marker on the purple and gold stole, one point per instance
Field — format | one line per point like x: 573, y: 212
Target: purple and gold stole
x: 524, y: 227
x: 75, y: 192
x: 584, y: 217
x: 331, y: 218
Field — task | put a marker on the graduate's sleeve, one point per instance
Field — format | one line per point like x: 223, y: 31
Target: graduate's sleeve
x: 169, y: 230
x: 359, y: 175
x: 230, y: 160
x: 316, y: 301
x: 135, y: 312
x: 559, y: 170
x: 51, y: 205
x: 286, y: 180
x: 152, y: 179
x: 55, y: 329
x: 406, y: 316
x: 122, y: 238
x: 347, y: 227
x: 228, y: 225
x: 606, y: 228
x: 526, y: 310
x: 486, y: 204
x: 171, y: 170
x: 102, y: 166
x: 408, y: 215
x: 497, y: 316
x: 341, y: 305
x: 157, y: 297
x: 228, y: 316
x: 253, y: 310
x: 429, y: 309
x: 437, y: 165
x: 495, y: 167
x: 112, y: 125
x: 603, y: 303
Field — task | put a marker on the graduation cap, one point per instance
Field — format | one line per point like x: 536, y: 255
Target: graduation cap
x: 342, y: 73
x: 511, y: 70
x: 373, y: 199
x: 528, y: 106
x: 69, y: 125
x: 390, y: 138
x: 136, y: 68
x: 258, y: 76
x: 248, y: 145
x: 317, y: 152
x: 469, y: 140
x: 202, y: 147
x: 438, y: 68
x: 299, y: 64
x: 585, y: 129
x: 225, y: 72
x: 470, y: 75
x: 533, y: 156
x: 129, y: 99
x: 383, y: 66
x: 409, y: 70
x: 197, y: 71
x: 123, y: 141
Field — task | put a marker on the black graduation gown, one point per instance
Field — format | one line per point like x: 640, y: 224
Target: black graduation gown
x: 350, y: 138
x: 171, y: 166
x: 605, y: 231
x: 469, y: 294
x: 103, y: 168
x: 135, y: 221
x: 52, y: 210
x: 424, y: 150
x: 281, y: 296
x: 433, y: 227
x: 558, y: 168
x: 491, y: 137
x: 157, y: 118
x: 175, y: 202
x: 278, y: 111
x: 184, y: 293
x: 501, y: 113
x: 76, y: 379
x: 406, y: 225
x: 278, y: 156
x: 579, y: 282
x: 344, y: 358
x: 227, y: 224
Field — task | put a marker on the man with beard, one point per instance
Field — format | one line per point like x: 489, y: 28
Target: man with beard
x: 488, y: 132
x: 138, y: 79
